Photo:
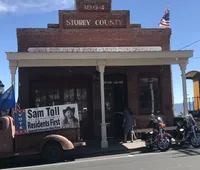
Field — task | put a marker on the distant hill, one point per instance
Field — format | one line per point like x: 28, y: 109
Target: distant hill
x: 179, y: 108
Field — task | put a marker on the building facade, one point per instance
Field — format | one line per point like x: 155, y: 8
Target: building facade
x: 94, y: 56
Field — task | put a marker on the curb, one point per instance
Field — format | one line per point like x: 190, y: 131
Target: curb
x: 107, y: 152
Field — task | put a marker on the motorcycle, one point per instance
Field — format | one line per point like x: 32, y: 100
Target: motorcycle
x: 187, y: 133
x: 157, y: 137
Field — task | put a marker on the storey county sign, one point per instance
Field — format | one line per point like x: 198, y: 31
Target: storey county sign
x: 94, y: 21
x: 93, y: 49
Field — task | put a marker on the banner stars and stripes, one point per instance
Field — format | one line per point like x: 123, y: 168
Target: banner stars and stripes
x: 165, y: 20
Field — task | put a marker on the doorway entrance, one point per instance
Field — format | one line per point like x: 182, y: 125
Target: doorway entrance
x: 116, y: 100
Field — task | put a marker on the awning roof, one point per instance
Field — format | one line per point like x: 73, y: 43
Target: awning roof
x: 49, y: 59
x: 192, y: 74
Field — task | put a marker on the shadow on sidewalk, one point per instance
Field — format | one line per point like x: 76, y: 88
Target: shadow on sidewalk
x: 93, y: 149
x: 186, y: 151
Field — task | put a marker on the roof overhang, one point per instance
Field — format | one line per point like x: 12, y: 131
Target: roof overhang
x: 28, y: 59
x: 192, y: 74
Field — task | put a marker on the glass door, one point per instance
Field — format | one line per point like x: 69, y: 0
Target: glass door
x: 116, y: 99
x: 109, y: 109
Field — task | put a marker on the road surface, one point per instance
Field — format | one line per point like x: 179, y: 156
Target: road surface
x: 172, y: 160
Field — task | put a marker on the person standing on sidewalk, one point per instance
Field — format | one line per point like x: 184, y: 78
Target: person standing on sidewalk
x: 129, y: 123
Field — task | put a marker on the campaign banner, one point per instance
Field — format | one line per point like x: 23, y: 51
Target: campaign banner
x: 46, y: 118
x: 20, y: 121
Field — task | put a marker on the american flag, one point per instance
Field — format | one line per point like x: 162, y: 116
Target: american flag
x: 165, y: 22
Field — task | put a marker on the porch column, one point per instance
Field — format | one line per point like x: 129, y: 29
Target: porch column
x: 183, y: 72
x: 104, y: 142
x: 13, y: 68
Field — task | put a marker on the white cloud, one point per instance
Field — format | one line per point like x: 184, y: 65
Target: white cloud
x: 34, y: 5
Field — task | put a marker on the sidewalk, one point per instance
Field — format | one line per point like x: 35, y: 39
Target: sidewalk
x: 94, y: 148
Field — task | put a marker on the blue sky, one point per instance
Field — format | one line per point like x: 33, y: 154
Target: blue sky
x: 38, y: 13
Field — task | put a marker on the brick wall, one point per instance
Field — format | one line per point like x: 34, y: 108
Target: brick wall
x: 53, y: 37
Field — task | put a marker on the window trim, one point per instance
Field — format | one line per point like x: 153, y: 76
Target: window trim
x: 150, y: 75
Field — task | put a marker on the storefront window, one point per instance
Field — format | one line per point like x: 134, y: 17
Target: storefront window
x: 81, y: 95
x: 53, y: 94
x: 69, y: 96
x: 47, y: 97
x: 53, y: 97
x: 149, y: 95
x: 40, y: 98
x: 77, y: 95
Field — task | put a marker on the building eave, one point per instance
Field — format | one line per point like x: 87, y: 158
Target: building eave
x: 98, y: 55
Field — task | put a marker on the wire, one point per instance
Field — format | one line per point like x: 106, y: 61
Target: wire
x: 189, y: 44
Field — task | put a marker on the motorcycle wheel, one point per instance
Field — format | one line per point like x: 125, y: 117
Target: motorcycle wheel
x: 195, y: 142
x: 164, y: 144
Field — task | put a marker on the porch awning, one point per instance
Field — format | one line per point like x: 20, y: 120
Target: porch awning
x: 49, y: 59
x: 192, y: 74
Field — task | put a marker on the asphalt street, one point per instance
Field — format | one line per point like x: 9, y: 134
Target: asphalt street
x: 184, y: 159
